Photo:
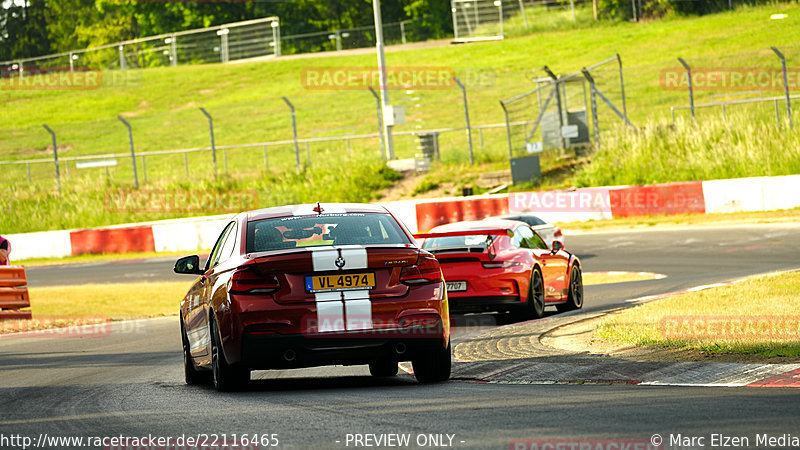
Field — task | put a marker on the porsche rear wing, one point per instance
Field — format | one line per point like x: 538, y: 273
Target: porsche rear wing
x: 486, y: 232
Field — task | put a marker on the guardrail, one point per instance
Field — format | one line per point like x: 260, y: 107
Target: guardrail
x: 14, y: 293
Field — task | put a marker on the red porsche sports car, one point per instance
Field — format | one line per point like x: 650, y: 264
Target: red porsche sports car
x: 311, y: 285
x: 503, y: 265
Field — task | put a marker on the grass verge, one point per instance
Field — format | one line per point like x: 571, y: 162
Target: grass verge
x: 754, y: 217
x: 757, y: 316
x: 60, y: 306
x: 104, y: 257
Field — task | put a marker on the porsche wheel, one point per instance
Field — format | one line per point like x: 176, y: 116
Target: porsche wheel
x: 434, y: 367
x: 575, y: 296
x: 535, y: 306
x: 225, y: 377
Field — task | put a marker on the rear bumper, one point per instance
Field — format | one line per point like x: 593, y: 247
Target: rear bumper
x: 485, y: 303
x: 294, y: 351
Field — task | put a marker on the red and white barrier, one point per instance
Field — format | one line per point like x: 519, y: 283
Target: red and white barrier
x: 197, y: 233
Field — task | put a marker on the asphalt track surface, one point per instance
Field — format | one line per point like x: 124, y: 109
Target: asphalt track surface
x: 127, y: 380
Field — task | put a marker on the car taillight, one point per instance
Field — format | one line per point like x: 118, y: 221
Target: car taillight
x: 247, y: 281
x: 426, y: 270
x: 558, y: 233
x: 498, y: 264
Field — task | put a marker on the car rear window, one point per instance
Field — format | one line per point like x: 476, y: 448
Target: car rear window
x: 471, y: 243
x: 324, y: 229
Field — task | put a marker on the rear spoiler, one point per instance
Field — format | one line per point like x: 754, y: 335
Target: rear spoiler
x: 490, y: 232
x: 487, y: 232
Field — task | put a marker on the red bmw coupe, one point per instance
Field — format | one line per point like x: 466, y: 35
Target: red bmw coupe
x: 311, y: 285
x: 503, y: 265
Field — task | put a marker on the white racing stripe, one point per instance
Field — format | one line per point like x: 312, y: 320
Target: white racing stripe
x: 347, y: 310
x: 354, y: 256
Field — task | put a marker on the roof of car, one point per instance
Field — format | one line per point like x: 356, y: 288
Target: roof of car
x: 309, y: 209
x: 485, y: 224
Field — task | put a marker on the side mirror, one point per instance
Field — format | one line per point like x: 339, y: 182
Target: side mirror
x: 189, y: 265
x: 557, y: 245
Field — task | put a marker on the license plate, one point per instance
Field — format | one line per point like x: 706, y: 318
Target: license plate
x: 340, y: 282
x: 456, y: 286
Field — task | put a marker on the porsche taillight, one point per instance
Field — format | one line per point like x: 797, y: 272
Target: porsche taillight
x: 426, y: 270
x: 249, y: 281
x: 498, y: 264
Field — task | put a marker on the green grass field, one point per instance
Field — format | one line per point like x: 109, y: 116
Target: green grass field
x: 245, y: 101
x: 717, y: 320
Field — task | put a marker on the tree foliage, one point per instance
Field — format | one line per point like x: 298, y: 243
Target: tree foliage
x: 36, y: 27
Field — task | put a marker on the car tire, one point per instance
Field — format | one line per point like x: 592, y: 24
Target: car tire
x: 224, y: 376
x: 192, y: 376
x: 575, y: 295
x: 433, y: 367
x: 383, y: 368
x: 534, y: 309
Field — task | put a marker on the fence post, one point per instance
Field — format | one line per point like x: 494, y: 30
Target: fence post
x: 403, y: 31
x: 276, y: 37
x: 173, y: 48
x: 380, y: 120
x: 508, y: 130
x: 29, y: 173
x: 777, y: 114
x: 338, y: 37
x: 144, y: 168
x: 133, y: 153
x: 561, y: 110
x: 294, y: 133
x: 524, y: 16
x: 593, y: 97
x: 55, y: 156
x: 225, y: 158
x: 785, y: 84
x: 266, y: 161
x: 466, y: 117
x: 455, y: 18
x: 691, y: 90
x: 223, y: 47
x: 622, y: 88
x: 123, y: 63
x: 213, y: 147
x: 186, y: 163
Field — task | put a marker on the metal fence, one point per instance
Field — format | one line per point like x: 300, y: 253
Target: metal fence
x: 570, y: 112
x: 218, y: 44
x: 540, y: 110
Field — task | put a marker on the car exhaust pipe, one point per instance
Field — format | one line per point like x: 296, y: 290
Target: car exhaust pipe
x: 400, y: 348
x: 289, y: 355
